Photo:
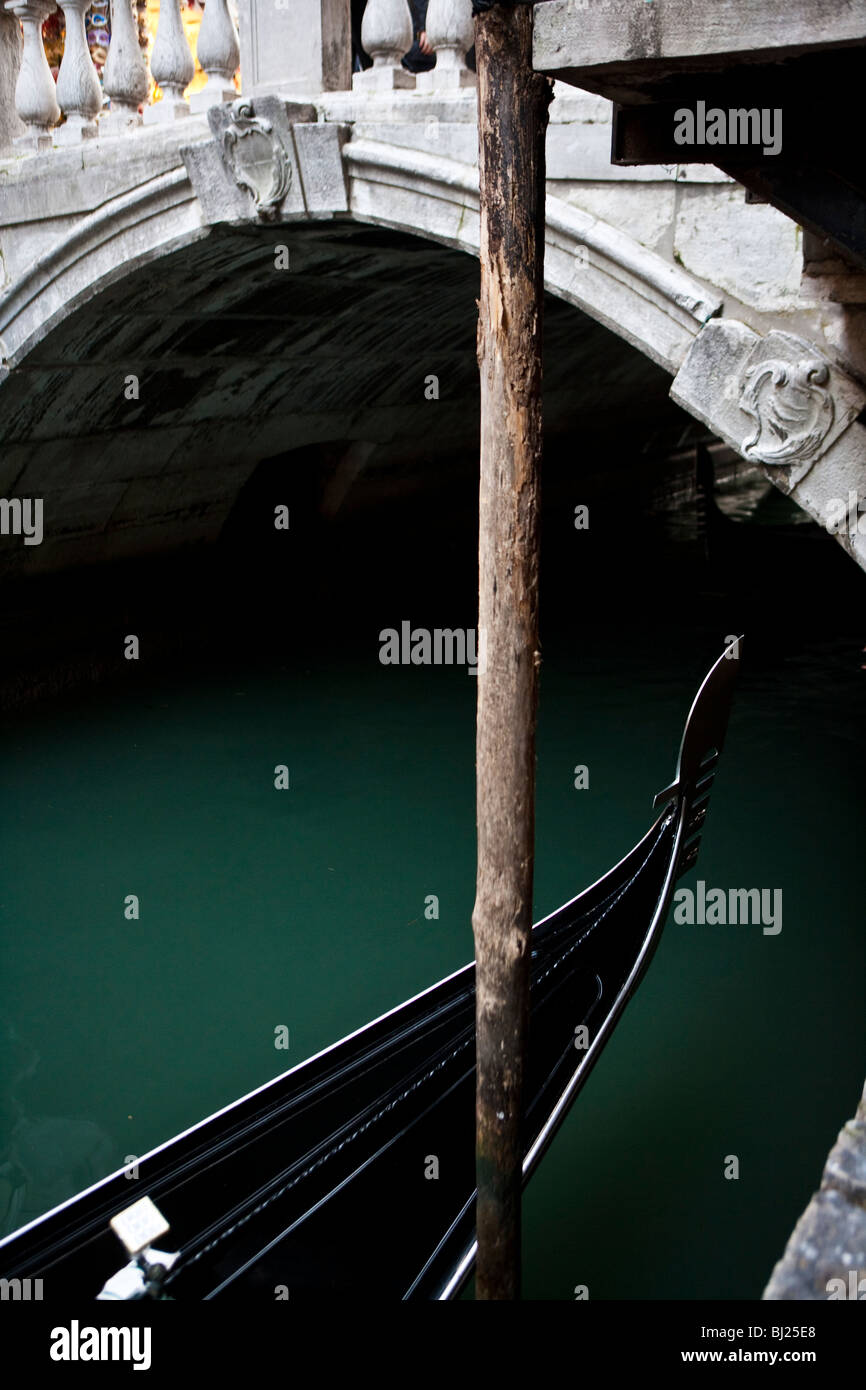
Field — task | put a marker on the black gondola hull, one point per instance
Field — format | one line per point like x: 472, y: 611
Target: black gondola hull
x: 354, y: 1173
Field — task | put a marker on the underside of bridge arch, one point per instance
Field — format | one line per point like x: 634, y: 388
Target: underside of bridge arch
x: 162, y: 423
x: 348, y: 375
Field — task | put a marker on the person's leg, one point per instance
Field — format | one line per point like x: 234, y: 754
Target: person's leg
x: 360, y: 59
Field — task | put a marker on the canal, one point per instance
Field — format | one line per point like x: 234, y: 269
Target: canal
x: 308, y: 909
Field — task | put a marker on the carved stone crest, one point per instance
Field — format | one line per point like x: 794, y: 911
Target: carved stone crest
x: 777, y: 399
x: 786, y: 392
x: 256, y: 157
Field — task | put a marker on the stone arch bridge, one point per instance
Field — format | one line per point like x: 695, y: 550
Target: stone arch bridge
x: 291, y: 250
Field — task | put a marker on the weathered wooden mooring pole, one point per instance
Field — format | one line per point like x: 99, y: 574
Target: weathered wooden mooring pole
x: 512, y: 123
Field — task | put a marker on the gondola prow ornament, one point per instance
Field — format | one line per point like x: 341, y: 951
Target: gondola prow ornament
x: 137, y: 1227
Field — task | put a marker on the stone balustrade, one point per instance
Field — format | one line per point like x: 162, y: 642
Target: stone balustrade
x: 35, y: 93
x: 125, y: 80
x: 451, y: 32
x: 301, y: 46
x: 387, y: 34
x: 219, y: 54
x: 171, y: 65
x: 80, y: 107
x: 79, y: 94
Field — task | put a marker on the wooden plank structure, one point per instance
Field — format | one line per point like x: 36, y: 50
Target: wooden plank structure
x: 802, y: 58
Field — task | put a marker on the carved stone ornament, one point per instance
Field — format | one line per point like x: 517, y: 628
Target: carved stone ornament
x: 791, y: 405
x: 256, y: 157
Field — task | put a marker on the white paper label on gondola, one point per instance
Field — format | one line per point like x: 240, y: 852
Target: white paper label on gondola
x: 139, y: 1225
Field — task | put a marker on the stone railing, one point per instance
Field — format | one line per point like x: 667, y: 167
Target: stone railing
x: 286, y: 46
x: 386, y: 34
x: 78, y: 95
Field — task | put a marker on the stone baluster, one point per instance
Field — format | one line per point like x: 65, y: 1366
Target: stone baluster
x: 35, y: 94
x: 11, y: 125
x: 78, y: 89
x: 452, y: 33
x: 171, y: 64
x: 125, y: 76
x: 219, y: 54
x: 386, y: 34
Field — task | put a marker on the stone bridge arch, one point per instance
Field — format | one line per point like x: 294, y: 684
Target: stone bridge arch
x: 634, y: 292
x: 144, y: 413
x: 101, y: 218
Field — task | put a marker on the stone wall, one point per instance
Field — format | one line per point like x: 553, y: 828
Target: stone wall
x: 826, y: 1255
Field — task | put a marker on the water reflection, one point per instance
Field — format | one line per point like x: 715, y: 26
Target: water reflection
x: 44, y: 1159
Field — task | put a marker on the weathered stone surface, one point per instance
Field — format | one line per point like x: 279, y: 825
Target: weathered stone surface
x: 751, y: 251
x: 127, y: 231
x: 291, y: 145
x: 841, y: 471
x: 736, y: 381
x: 644, y: 212
x: 581, y: 150
x: 843, y: 328
x: 11, y: 126
x: 457, y: 140
x: 576, y: 34
x: 320, y: 156
x: 433, y: 194
x: 717, y: 381
x: 70, y: 183
x: 255, y: 143
x: 826, y: 1255
x: 220, y: 198
x: 300, y: 47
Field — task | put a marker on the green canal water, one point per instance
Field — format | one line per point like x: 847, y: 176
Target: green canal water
x: 306, y: 908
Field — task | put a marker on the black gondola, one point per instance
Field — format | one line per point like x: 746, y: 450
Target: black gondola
x: 314, y: 1186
